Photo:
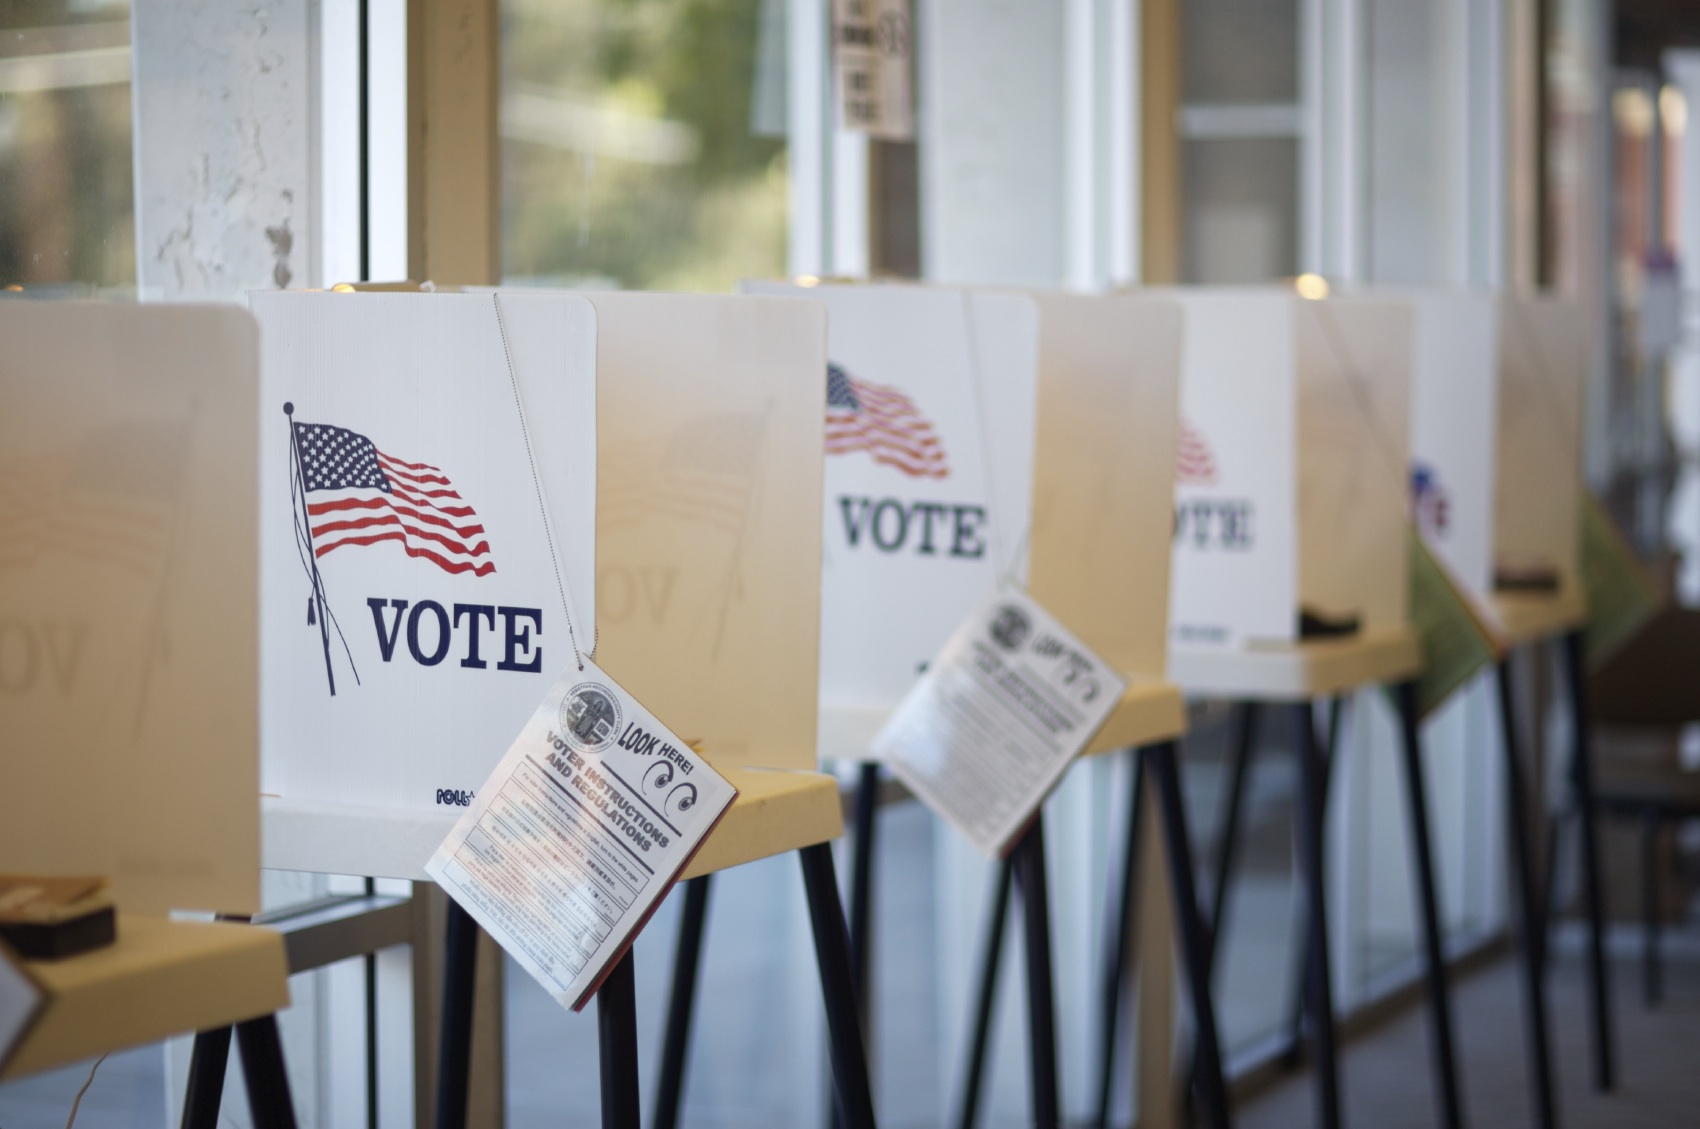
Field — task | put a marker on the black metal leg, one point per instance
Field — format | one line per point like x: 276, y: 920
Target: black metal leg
x: 1547, y: 891
x: 1582, y: 776
x: 1445, y: 1064
x: 832, y: 953
x: 862, y: 882
x: 207, y: 1064
x: 1531, y: 922
x: 1212, y: 1091
x: 371, y: 963
x: 676, y: 1039
x: 1115, y: 952
x: 991, y: 957
x: 1228, y: 844
x: 454, y: 1055
x: 1652, y: 986
x: 262, y: 1069
x: 616, y: 1030
x: 1041, y: 1004
x: 1301, y: 943
x: 1319, y: 991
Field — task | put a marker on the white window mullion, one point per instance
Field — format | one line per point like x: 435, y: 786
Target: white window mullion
x: 1121, y: 148
x: 337, y: 184
x: 809, y: 123
x: 848, y: 215
x: 1312, y: 130
x: 1081, y: 133
x: 1332, y: 145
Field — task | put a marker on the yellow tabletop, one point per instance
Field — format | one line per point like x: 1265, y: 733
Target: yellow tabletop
x: 1148, y: 713
x: 777, y: 810
x: 1313, y: 668
x: 1518, y: 618
x: 160, y: 978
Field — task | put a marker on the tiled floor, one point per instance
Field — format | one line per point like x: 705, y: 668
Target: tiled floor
x: 1386, y: 1080
x: 1387, y: 1084
x: 128, y: 1092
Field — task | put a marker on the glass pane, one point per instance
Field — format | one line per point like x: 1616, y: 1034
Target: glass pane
x: 1239, y: 51
x: 1407, y: 166
x: 1241, y: 209
x: 1385, y: 923
x: 643, y: 142
x: 1256, y: 971
x: 66, y: 222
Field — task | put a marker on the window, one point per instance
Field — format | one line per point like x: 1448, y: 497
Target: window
x: 643, y: 142
x: 1239, y: 127
x: 67, y: 226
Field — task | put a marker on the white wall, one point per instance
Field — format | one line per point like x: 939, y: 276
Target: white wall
x: 1027, y: 120
x: 223, y: 134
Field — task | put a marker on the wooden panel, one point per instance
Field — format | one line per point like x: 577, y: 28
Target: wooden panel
x: 1354, y: 388
x: 453, y: 155
x: 708, y: 529
x: 1159, y: 141
x: 129, y: 591
x: 1543, y: 370
x: 1103, y: 492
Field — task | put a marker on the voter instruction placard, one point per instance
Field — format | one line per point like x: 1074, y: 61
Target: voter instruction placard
x: 578, y: 834
x: 989, y: 729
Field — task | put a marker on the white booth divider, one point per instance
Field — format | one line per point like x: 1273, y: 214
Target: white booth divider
x: 428, y: 478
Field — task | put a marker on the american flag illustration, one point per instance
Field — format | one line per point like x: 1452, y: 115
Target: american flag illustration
x: 1194, y: 465
x: 371, y: 497
x: 883, y: 422
x: 1429, y: 499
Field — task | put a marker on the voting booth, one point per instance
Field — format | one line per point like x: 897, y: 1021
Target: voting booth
x: 1290, y: 488
x: 1537, y: 598
x: 1495, y: 481
x: 1291, y: 566
x: 489, y: 485
x: 129, y: 667
x: 1496, y: 452
x: 976, y: 437
x: 929, y: 403
x: 1110, y: 378
x: 467, y: 490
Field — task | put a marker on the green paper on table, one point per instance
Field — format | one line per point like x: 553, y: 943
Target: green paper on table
x: 1621, y: 596
x: 1455, y: 643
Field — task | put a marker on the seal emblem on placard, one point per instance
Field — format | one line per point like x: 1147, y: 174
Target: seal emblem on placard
x: 1010, y: 627
x: 590, y: 717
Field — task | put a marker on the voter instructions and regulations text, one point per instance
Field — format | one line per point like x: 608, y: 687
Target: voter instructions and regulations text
x: 579, y: 833
x: 990, y: 728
